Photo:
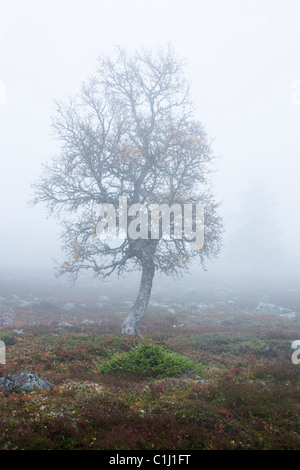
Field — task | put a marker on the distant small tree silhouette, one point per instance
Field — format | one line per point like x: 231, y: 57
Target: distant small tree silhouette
x: 256, y: 244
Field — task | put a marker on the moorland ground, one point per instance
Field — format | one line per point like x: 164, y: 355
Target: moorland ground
x: 245, y: 397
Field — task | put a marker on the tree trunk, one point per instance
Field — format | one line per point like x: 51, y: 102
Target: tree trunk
x: 131, y: 324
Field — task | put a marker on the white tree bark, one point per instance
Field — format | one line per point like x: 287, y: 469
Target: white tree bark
x: 131, y: 324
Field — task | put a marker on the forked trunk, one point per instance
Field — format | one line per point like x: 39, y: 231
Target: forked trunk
x: 131, y: 324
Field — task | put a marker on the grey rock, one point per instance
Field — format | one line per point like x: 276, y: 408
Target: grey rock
x: 19, y: 332
x: 288, y: 315
x: 171, y: 310
x: 68, y: 306
x: 25, y: 381
x: 30, y: 303
x: 263, y: 308
x: 5, y: 321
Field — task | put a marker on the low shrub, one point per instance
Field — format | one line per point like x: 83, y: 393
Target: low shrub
x: 9, y: 337
x: 151, y: 360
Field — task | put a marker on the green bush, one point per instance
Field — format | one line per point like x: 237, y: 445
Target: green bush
x: 9, y: 337
x: 151, y: 360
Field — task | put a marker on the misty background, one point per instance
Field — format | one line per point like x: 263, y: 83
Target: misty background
x: 242, y: 60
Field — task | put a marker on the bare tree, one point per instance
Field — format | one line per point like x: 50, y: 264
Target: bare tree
x: 130, y: 132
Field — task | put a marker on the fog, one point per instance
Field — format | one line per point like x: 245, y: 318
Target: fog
x: 242, y: 60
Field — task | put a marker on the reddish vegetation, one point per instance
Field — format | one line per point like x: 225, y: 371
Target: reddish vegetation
x: 246, y: 398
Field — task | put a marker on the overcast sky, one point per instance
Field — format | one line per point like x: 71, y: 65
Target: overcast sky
x: 242, y: 61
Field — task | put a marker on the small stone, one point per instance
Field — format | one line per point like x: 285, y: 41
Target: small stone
x: 263, y: 308
x: 5, y: 321
x: 171, y: 310
x: 68, y: 306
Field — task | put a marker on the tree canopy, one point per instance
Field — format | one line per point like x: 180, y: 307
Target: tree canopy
x: 130, y: 132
